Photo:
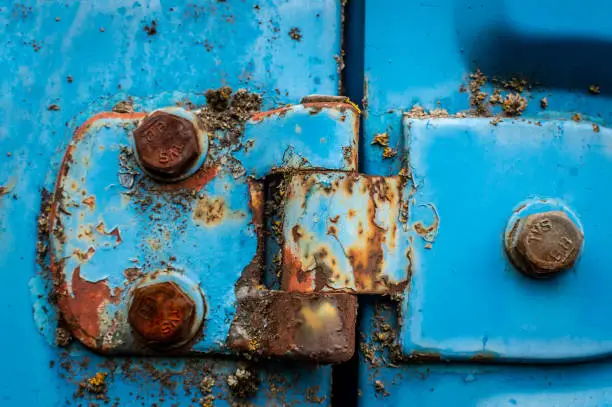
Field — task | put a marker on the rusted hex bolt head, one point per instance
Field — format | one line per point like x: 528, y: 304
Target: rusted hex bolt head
x: 162, y: 314
x: 544, y: 244
x: 167, y: 145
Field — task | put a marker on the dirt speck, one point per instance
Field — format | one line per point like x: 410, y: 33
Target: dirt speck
x: 124, y: 106
x: 295, y: 34
x: 69, y: 79
x: 514, y: 104
x: 577, y: 117
x: 379, y: 386
x: 96, y: 384
x: 594, y: 90
x: 53, y: 107
x: 62, y: 337
x: 596, y: 127
x: 496, y: 121
x: 544, y: 103
x: 477, y: 96
x: 243, y: 383
x: 226, y: 111
x: 151, y: 29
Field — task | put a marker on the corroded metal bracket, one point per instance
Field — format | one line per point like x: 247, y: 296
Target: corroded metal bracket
x: 147, y: 264
x: 342, y: 232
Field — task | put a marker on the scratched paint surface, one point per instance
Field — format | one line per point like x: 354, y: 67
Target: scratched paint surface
x: 64, y: 62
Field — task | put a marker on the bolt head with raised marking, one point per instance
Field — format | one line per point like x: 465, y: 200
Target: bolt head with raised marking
x: 545, y: 244
x: 162, y: 313
x: 167, y: 145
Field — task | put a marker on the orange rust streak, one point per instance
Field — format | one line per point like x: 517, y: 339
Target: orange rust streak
x: 262, y: 115
x: 82, y: 310
x: 196, y: 182
x: 291, y: 270
x: 256, y: 203
x: 332, y: 105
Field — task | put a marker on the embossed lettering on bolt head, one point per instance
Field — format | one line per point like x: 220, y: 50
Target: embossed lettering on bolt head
x: 162, y: 313
x: 547, y: 243
x: 167, y: 145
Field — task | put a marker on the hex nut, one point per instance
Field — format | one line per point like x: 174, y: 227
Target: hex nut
x: 162, y: 314
x: 167, y: 145
x: 542, y: 245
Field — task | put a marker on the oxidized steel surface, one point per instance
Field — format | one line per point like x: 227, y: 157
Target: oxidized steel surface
x: 342, y: 231
x: 162, y: 313
x: 111, y: 225
x: 319, y: 327
x: 544, y: 244
x: 167, y: 145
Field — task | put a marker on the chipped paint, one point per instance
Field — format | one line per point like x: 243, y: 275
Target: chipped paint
x: 341, y: 233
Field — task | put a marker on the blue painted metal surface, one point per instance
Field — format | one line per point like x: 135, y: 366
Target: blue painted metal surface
x: 466, y: 299
x: 422, y: 53
x: 61, y: 64
x: 387, y: 382
x: 108, y: 232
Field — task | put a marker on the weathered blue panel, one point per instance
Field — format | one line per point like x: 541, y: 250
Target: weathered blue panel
x: 384, y: 382
x: 63, y: 62
x: 422, y: 53
x: 466, y: 299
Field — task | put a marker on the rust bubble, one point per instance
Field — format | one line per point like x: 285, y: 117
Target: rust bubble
x: 167, y: 145
x: 162, y: 313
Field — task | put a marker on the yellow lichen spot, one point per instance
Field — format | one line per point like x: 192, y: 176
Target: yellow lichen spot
x: 347, y: 100
x: 98, y: 379
x: 253, y: 345
x: 381, y: 139
x: 389, y: 152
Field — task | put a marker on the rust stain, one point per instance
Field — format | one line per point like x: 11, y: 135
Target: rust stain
x: 81, y: 310
x: 256, y: 202
x: 317, y: 327
x: 367, y: 258
x: 115, y: 232
x: 317, y: 106
x: 90, y: 201
x: 259, y: 116
x: 84, y: 256
x: 294, y: 278
x: 426, y: 356
x: 296, y: 232
x: 365, y: 252
x: 209, y: 211
x: 196, y: 182
x: 483, y: 356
